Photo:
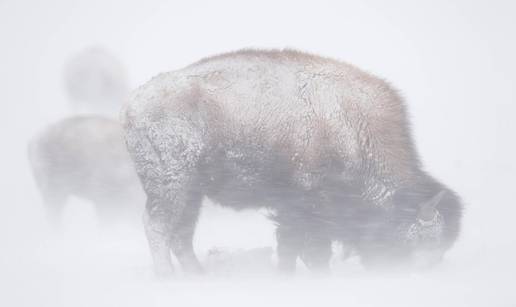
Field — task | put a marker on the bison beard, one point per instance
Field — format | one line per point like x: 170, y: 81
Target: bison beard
x: 324, y: 145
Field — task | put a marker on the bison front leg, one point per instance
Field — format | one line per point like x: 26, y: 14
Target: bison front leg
x: 306, y: 240
x: 316, y: 251
x: 303, y: 231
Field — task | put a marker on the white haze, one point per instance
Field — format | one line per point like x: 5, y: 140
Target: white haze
x: 453, y: 61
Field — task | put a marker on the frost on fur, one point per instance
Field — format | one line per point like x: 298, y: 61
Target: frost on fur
x: 323, y: 144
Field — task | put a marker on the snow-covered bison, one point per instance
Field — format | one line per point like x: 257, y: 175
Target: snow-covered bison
x: 324, y: 145
x: 85, y: 156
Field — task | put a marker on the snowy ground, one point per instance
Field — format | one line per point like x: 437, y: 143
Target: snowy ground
x: 453, y: 61
x: 87, y: 267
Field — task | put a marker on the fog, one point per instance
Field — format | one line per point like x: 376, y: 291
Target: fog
x: 453, y: 62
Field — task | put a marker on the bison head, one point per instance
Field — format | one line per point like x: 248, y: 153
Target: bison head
x: 422, y: 234
x: 427, y: 227
x: 417, y: 231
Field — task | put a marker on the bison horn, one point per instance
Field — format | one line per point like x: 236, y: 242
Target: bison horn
x: 428, y: 208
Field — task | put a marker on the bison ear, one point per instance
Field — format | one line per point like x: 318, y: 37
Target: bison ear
x: 428, y: 208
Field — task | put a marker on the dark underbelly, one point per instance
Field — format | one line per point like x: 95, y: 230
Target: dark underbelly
x: 247, y: 178
x: 239, y: 192
x: 251, y: 180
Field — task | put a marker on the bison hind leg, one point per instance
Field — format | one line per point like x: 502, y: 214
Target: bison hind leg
x: 171, y: 227
x: 167, y: 164
x: 182, y: 236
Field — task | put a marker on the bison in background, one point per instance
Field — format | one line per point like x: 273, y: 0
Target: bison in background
x: 95, y: 82
x: 86, y: 157
x: 324, y: 145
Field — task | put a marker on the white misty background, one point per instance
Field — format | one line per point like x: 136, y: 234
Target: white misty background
x: 453, y: 61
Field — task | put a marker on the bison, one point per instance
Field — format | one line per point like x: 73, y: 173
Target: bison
x: 95, y: 81
x: 322, y: 144
x: 85, y: 156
